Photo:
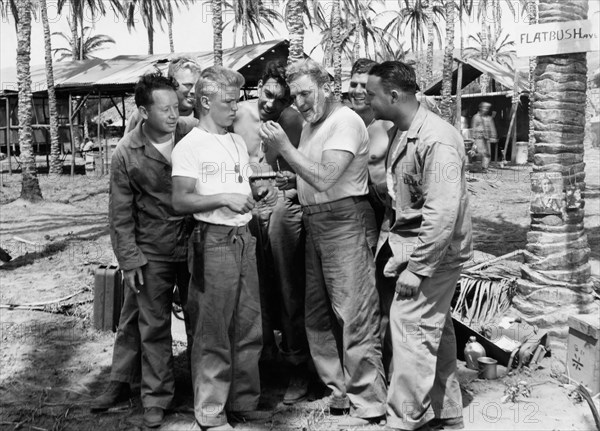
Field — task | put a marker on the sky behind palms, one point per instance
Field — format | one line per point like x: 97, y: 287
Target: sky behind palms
x: 192, y: 32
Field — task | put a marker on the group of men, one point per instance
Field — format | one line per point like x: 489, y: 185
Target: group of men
x: 369, y: 219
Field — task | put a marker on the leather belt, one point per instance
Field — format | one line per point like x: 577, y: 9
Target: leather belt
x: 333, y: 205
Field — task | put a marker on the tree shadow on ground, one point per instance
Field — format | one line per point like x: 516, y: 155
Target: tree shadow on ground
x: 498, y: 236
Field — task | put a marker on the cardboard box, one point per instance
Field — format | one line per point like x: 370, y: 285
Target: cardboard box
x: 583, y: 351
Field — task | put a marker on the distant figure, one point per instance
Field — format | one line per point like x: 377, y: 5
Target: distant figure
x: 484, y: 132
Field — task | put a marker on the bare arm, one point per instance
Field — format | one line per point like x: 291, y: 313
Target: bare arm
x: 185, y: 200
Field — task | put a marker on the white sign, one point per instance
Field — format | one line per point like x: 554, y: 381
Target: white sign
x: 557, y: 38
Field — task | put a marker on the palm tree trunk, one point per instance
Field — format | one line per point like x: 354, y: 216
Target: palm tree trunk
x: 217, y: 22
x: 170, y: 26
x: 430, y: 36
x: 30, y: 187
x: 296, y: 30
x: 531, y: 11
x: 446, y: 105
x: 74, y: 34
x: 244, y: 22
x: 150, y: 31
x: 55, y: 163
x: 337, y: 49
x: 484, y: 80
x: 82, y: 39
x: 557, y: 281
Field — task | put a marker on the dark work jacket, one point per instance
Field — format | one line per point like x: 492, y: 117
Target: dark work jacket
x: 143, y: 224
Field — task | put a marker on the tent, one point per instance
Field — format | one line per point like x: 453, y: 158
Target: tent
x: 79, y: 82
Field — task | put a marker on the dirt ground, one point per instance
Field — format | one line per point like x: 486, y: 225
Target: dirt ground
x: 53, y: 362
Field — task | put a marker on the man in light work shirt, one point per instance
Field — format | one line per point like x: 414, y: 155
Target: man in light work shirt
x: 331, y: 165
x: 430, y: 240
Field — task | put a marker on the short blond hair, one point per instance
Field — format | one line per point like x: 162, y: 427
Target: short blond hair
x: 217, y: 78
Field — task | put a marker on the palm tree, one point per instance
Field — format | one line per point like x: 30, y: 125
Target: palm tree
x: 410, y: 15
x: 294, y: 13
x: 78, y: 15
x: 557, y: 279
x: 362, y: 13
x: 532, y: 16
x: 150, y: 11
x: 217, y: 23
x: 55, y: 163
x: 446, y: 104
x: 432, y: 11
x: 253, y: 16
x: 498, y: 48
x: 30, y: 187
x: 84, y: 50
x: 336, y: 23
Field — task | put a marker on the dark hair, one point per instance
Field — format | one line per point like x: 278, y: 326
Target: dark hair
x: 362, y: 65
x: 149, y: 83
x: 276, y: 69
x: 395, y: 74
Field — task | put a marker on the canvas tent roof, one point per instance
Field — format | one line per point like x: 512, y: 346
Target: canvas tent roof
x: 122, y: 72
x: 473, y: 68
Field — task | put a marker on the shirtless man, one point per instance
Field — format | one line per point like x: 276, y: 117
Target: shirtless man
x: 378, y: 137
x: 280, y: 251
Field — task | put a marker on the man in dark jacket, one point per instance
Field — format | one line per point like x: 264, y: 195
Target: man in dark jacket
x: 150, y: 242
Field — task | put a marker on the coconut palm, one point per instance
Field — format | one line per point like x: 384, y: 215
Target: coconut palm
x: 336, y: 23
x: 78, y: 14
x: 531, y: 6
x: 217, y: 23
x: 253, y: 17
x: 151, y: 11
x: 84, y: 50
x: 498, y: 49
x: 295, y: 14
x: 30, y: 187
x: 362, y: 14
x: 446, y: 104
x: 557, y: 279
x: 433, y: 11
x: 55, y: 163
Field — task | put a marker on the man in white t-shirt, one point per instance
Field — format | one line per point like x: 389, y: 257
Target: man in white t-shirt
x: 210, y: 180
x: 331, y: 165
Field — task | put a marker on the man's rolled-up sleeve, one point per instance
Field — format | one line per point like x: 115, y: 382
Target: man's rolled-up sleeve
x: 442, y: 188
x: 121, y: 217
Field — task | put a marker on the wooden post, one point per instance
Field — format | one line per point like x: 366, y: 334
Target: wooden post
x: 100, y: 144
x: 8, y: 149
x: 457, y: 119
x: 71, y: 134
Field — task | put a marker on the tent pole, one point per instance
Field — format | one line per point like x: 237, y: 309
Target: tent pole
x: 458, y: 116
x: 8, y: 149
x: 71, y: 133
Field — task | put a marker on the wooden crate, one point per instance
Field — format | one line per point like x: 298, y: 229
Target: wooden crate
x: 108, y: 297
x: 583, y: 352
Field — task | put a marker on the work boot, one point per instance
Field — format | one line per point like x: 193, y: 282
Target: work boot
x: 153, y: 417
x: 114, y: 393
x: 297, y: 389
x: 447, y: 423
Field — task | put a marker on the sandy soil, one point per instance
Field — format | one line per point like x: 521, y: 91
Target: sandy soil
x: 53, y: 362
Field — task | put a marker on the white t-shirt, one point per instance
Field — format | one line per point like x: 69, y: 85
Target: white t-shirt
x: 211, y: 160
x: 390, y: 178
x: 343, y: 130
